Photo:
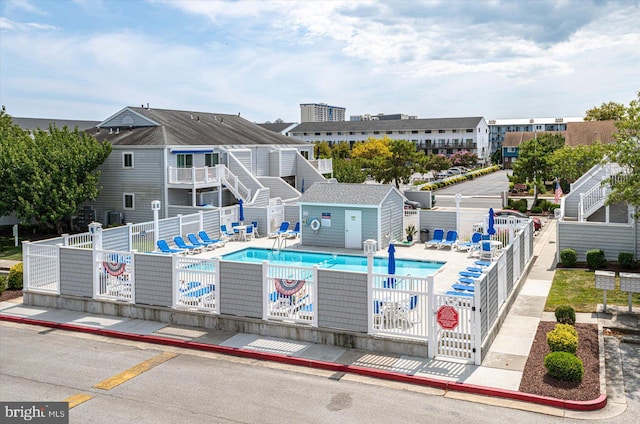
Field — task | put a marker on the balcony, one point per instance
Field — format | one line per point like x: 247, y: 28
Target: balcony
x: 194, y: 177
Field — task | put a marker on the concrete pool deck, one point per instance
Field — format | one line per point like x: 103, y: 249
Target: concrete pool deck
x: 455, y: 260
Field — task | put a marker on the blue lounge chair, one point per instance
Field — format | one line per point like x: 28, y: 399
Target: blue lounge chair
x: 471, y: 245
x: 226, y: 234
x: 465, y: 280
x: 482, y: 263
x: 164, y: 247
x: 469, y: 274
x: 295, y: 233
x: 255, y: 228
x: 205, y: 245
x: 450, y: 241
x: 438, y: 237
x: 474, y: 269
x: 459, y: 293
x: 284, y: 227
x: 179, y: 241
x: 463, y: 287
x: 205, y: 238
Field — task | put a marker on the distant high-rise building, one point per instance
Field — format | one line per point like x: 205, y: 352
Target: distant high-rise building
x: 381, y: 117
x: 321, y: 112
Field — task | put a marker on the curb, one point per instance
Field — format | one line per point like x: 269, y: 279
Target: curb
x: 590, y: 405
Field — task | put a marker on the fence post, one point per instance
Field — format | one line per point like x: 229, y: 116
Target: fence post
x: 174, y: 281
x: 265, y: 289
x: 432, y: 339
x: 66, y: 239
x: 216, y: 281
x: 26, y: 263
x: 155, y: 206
x: 369, y: 250
x: 95, y: 229
x: 477, y: 323
x: 130, y: 235
x: 315, y: 303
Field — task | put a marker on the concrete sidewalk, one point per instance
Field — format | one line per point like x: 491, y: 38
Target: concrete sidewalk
x: 498, y: 377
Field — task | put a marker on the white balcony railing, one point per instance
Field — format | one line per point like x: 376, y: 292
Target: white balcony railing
x: 202, y: 175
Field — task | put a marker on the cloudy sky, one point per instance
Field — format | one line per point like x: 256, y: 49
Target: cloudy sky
x: 87, y: 59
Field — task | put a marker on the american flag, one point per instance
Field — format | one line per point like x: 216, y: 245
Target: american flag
x: 558, y: 192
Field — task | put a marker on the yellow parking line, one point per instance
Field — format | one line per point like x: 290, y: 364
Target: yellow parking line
x: 76, y: 400
x: 134, y: 371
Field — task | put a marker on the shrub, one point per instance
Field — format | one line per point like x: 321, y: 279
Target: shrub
x: 563, y: 338
x: 569, y: 257
x: 15, y: 277
x: 553, y: 207
x: 565, y: 315
x: 626, y: 260
x: 536, y: 209
x: 596, y: 259
x: 3, y: 282
x: 523, y: 209
x: 564, y: 366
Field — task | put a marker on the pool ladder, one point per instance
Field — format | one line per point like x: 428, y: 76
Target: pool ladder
x: 279, y: 243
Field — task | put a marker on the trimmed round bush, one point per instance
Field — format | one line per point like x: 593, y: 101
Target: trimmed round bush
x: 3, y: 282
x: 569, y: 257
x: 626, y: 260
x: 14, y: 281
x: 523, y: 209
x: 563, y: 338
x: 565, y: 315
x: 564, y: 366
x: 536, y: 209
x: 596, y: 259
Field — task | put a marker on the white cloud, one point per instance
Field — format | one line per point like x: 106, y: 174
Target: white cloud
x: 9, y: 25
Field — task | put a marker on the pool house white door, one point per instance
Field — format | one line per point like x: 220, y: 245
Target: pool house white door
x: 352, y: 229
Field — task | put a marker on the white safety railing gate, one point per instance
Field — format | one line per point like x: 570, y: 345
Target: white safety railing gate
x: 41, y: 267
x: 399, y: 306
x: 114, y: 275
x: 196, y: 283
x: 142, y: 237
x: 82, y: 240
x: 454, y: 331
x: 290, y: 293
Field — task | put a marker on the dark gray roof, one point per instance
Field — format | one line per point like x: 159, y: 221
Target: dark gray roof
x: 346, y: 194
x: 43, y: 123
x: 277, y: 127
x: 161, y: 127
x: 398, y: 124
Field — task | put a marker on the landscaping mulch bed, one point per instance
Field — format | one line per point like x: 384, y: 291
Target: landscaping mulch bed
x: 536, y: 381
x: 10, y: 294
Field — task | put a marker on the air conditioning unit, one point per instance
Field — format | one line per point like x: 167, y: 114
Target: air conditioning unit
x: 115, y: 218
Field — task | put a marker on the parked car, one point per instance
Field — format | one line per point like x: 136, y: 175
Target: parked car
x: 537, y: 224
x: 456, y: 170
x: 443, y: 174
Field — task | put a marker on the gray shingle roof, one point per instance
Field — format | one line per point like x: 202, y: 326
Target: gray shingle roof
x: 396, y: 124
x: 43, y: 123
x: 178, y: 127
x: 277, y: 127
x: 346, y: 194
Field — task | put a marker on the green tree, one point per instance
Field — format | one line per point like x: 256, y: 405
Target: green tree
x: 322, y: 150
x: 399, y: 165
x: 496, y: 157
x: 533, y: 163
x: 605, y: 112
x: 436, y: 163
x: 348, y: 171
x: 46, y: 177
x: 570, y: 163
x: 626, y: 152
x: 341, y: 150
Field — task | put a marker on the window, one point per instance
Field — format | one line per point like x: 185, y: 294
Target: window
x: 363, y: 133
x: 352, y: 133
x: 339, y: 132
x: 389, y: 132
x: 471, y: 129
x: 441, y: 131
x: 427, y: 131
x: 414, y: 132
x: 401, y: 132
x: 305, y: 154
x: 376, y: 132
x: 329, y: 133
x: 454, y: 130
x: 185, y: 160
x: 211, y: 159
x: 317, y: 133
x: 127, y: 160
x: 128, y: 200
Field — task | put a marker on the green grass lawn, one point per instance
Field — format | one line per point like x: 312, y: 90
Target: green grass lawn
x: 576, y: 288
x: 8, y: 250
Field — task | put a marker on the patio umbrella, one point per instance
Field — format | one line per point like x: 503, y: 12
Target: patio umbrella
x: 491, y: 230
x: 302, y: 189
x: 241, y: 211
x: 391, y: 266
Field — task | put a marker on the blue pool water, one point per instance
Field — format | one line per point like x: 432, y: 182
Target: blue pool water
x: 331, y: 261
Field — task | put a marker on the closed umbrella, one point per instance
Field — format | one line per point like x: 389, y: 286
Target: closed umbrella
x: 302, y: 189
x: 391, y: 266
x: 491, y: 230
x: 241, y: 212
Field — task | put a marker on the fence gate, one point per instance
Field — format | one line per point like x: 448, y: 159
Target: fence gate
x: 114, y: 275
x: 452, y: 332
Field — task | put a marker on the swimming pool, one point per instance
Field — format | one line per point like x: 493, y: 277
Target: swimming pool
x: 332, y: 261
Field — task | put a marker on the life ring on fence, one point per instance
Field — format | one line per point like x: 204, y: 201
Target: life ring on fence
x: 315, y: 225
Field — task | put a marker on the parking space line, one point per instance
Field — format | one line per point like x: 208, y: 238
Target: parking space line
x: 134, y: 371
x: 76, y: 400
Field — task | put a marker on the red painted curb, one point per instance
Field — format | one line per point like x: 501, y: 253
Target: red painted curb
x: 590, y: 405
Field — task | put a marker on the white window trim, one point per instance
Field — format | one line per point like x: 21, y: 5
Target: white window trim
x: 124, y: 154
x: 133, y: 201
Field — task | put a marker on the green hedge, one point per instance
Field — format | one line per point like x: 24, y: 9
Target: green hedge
x: 563, y: 338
